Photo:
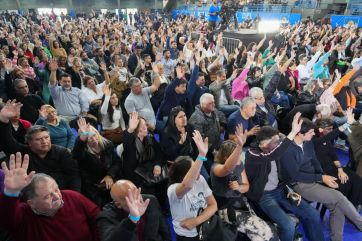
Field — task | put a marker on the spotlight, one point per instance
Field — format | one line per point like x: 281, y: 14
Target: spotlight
x: 268, y: 26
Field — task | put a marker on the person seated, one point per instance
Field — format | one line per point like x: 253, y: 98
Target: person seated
x: 113, y: 123
x: 68, y: 100
x: 229, y: 182
x: 210, y: 122
x: 31, y: 103
x: 19, y: 127
x: 355, y: 141
x: 98, y: 163
x: 300, y: 168
x: 141, y: 151
x: 121, y: 219
x: 188, y: 193
x: 176, y: 138
x: 139, y: 100
x: 268, y: 189
x: 59, y: 130
x: 34, y: 200
x: 349, y: 182
x: 220, y: 90
x: 175, y: 95
x: 53, y: 160
x: 196, y: 86
x: 311, y: 93
x: 243, y: 116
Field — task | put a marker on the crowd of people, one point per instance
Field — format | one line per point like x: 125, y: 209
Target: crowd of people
x: 111, y: 127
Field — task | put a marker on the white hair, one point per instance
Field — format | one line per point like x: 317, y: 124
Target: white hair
x: 246, y: 101
x: 324, y: 110
x: 255, y: 91
x: 204, y: 98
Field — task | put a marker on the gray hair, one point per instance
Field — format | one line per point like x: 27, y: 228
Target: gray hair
x: 205, y: 97
x: 133, y: 81
x: 16, y: 82
x: 28, y: 192
x: 255, y: 91
x: 324, y: 110
x: 246, y: 101
x: 34, y: 129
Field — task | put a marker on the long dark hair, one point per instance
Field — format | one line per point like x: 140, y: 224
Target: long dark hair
x: 171, y: 125
x: 110, y: 109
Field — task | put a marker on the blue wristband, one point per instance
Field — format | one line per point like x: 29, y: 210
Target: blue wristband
x: 11, y: 194
x: 201, y: 158
x: 346, y: 127
x: 134, y: 218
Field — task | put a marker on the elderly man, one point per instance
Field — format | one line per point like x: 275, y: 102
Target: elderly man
x: 53, y: 160
x: 243, y: 116
x: 68, y: 100
x: 122, y: 219
x: 210, y: 122
x: 35, y: 208
x: 139, y: 100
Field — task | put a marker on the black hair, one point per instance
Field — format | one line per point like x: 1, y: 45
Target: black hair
x: 265, y: 133
x: 307, y: 125
x: 323, y: 123
x: 179, y: 169
x: 110, y: 109
x: 65, y: 75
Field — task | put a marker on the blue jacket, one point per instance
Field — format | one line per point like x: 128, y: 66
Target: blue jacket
x: 301, y: 165
x: 194, y: 92
x: 319, y: 70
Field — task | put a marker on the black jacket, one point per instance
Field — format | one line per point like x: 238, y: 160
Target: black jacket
x: 258, y: 167
x: 114, y: 225
x: 93, y: 169
x: 31, y: 106
x: 58, y: 163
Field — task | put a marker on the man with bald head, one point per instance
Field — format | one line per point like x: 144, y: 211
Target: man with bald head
x: 132, y: 216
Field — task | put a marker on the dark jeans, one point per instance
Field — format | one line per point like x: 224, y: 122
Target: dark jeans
x: 275, y: 204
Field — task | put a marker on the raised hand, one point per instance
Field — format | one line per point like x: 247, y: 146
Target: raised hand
x: 136, y: 206
x: 83, y: 126
x: 155, y: 68
x: 240, y: 135
x: 53, y: 65
x: 133, y: 121
x: 43, y: 113
x: 180, y: 73
x: 10, y: 110
x: 103, y: 67
x: 350, y: 116
x: 202, y: 144
x: 106, y: 90
x: 197, y: 57
x: 16, y: 177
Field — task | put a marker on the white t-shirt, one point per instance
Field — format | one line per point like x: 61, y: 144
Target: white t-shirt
x: 188, y: 206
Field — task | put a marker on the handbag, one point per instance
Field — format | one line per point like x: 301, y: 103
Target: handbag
x: 146, y: 173
x: 215, y: 229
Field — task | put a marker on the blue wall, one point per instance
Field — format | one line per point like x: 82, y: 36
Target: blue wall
x: 293, y: 18
x: 338, y: 20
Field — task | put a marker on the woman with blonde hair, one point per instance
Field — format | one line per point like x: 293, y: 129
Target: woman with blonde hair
x: 98, y: 164
x: 59, y: 129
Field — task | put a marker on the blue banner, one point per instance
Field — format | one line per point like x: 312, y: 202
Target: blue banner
x: 292, y: 18
x: 346, y: 20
